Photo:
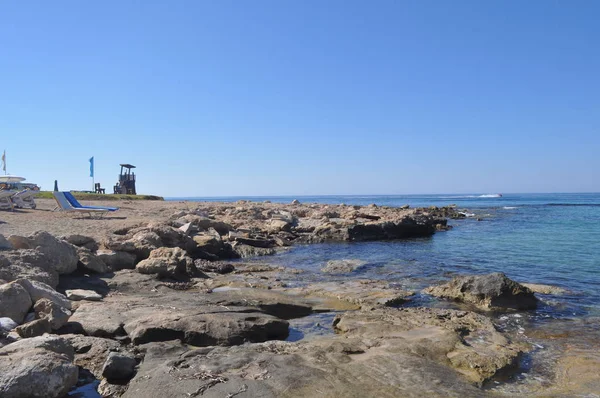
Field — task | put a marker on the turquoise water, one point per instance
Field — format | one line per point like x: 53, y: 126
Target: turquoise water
x: 539, y: 238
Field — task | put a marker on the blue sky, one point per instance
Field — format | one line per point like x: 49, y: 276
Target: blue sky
x: 287, y: 97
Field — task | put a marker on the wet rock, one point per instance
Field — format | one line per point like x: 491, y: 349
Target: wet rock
x: 342, y: 266
x: 466, y: 341
x: 544, y: 289
x: 56, y: 315
x: 117, y: 260
x: 29, y: 264
x: 61, y: 254
x: 219, y: 268
x: 255, y: 242
x: 492, y: 291
x: 39, y: 290
x: 40, y: 367
x: 245, y: 251
x: 15, y: 301
x: 34, y: 328
x: 89, y: 262
x: 81, y: 294
x: 405, y: 228
x: 360, y: 293
x: 169, y: 263
x: 119, y: 367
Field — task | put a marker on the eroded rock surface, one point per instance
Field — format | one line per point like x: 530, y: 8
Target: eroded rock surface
x: 37, y: 367
x: 492, y: 291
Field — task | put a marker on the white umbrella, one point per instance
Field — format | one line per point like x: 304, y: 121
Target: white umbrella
x: 9, y: 179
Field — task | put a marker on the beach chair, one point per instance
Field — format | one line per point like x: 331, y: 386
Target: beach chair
x: 5, y: 202
x: 24, y: 199
x: 78, y: 205
x: 65, y: 206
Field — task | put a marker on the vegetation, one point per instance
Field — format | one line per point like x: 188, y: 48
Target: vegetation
x: 97, y: 196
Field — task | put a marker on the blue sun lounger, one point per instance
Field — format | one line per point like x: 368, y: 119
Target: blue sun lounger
x: 69, y: 196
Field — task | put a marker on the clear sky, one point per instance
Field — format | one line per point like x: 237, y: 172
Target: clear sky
x: 292, y: 97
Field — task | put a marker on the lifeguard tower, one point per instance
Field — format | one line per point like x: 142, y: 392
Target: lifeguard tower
x: 126, y: 184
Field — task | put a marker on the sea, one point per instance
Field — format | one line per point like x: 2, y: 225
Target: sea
x: 536, y: 238
x: 551, y: 239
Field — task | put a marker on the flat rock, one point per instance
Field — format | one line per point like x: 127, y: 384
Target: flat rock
x: 177, y: 316
x: 342, y: 266
x: 492, y: 291
x: 331, y: 367
x: 80, y: 294
x: 466, y: 341
x: 359, y: 293
x: 545, y: 289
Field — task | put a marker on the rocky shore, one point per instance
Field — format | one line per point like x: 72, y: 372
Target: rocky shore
x: 162, y: 304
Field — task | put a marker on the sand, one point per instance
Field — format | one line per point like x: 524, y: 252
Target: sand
x: 26, y: 221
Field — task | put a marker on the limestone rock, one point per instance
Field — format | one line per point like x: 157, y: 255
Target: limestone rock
x: 169, y: 263
x: 117, y: 260
x: 56, y: 315
x: 39, y: 290
x: 90, y: 262
x: 81, y: 294
x: 491, y: 291
x: 342, y: 266
x: 219, y: 268
x: 277, y: 225
x: 82, y: 241
x: 91, y: 352
x: 5, y: 244
x: 119, y: 366
x: 40, y: 367
x: 34, y: 328
x: 29, y: 264
x: 245, y: 251
x: 61, y: 254
x: 15, y: 301
x: 108, y: 390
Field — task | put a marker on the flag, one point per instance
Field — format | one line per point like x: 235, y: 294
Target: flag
x: 4, y: 161
x: 92, y: 166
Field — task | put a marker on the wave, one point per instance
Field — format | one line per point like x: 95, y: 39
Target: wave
x: 574, y: 204
x: 510, y: 207
x: 491, y: 195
